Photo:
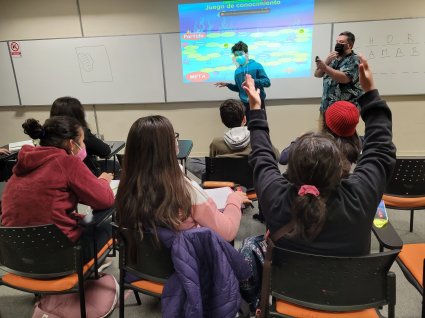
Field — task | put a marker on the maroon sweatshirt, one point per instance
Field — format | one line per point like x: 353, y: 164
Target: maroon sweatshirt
x: 46, y: 186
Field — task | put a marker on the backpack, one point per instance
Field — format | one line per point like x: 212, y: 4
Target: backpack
x: 101, y: 299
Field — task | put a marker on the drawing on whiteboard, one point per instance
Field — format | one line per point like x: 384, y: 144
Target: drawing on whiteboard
x: 94, y: 64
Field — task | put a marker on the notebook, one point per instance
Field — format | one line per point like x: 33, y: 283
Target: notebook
x: 219, y: 195
x: 114, y: 186
x: 18, y: 145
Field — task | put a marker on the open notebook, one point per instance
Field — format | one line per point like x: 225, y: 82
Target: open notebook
x: 219, y: 195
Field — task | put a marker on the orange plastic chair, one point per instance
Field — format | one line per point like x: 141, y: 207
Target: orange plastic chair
x: 42, y: 260
x: 146, y: 260
x: 306, y: 285
x: 412, y: 263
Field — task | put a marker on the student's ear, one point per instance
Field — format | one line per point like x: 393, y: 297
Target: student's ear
x: 69, y: 146
x: 243, y: 121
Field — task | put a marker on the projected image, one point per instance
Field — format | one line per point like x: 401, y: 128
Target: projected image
x: 279, y: 35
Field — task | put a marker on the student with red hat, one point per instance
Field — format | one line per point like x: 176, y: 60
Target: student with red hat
x: 340, y: 120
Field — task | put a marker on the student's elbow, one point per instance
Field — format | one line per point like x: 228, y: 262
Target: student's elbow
x: 104, y: 152
x: 230, y: 231
x: 105, y: 203
x: 267, y: 83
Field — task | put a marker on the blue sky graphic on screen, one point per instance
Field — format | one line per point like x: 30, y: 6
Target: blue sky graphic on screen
x: 278, y: 33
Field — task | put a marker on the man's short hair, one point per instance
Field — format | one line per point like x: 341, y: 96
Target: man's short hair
x: 232, y: 112
x: 240, y: 46
x: 350, y: 37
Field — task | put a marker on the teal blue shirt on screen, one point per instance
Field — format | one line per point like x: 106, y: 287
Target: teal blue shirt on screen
x: 257, y: 72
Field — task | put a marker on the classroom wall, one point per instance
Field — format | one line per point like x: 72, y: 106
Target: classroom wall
x: 26, y: 19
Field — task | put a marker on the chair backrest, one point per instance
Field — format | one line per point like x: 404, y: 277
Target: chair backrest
x: 408, y: 178
x: 41, y: 251
x: 235, y: 169
x: 120, y: 158
x: 144, y: 257
x: 333, y: 283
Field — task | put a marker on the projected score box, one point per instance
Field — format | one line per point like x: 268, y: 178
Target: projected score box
x: 244, y: 12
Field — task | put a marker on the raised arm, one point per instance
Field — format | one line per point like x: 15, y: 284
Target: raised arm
x: 377, y: 161
x: 270, y: 186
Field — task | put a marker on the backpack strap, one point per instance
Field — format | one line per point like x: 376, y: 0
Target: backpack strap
x: 265, y: 284
x: 287, y: 228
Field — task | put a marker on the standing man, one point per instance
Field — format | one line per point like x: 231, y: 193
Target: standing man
x: 246, y: 66
x: 340, y: 72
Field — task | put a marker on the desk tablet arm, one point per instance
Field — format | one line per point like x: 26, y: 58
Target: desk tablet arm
x: 387, y: 237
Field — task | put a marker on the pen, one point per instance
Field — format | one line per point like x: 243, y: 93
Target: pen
x: 112, y: 145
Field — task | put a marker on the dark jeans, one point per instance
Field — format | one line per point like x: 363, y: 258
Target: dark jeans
x: 263, y: 106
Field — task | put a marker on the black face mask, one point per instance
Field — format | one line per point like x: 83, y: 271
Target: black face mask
x: 339, y: 48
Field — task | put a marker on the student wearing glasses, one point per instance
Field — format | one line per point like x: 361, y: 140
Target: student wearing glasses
x: 154, y: 192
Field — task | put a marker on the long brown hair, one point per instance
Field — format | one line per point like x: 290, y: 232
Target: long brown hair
x: 314, y: 159
x: 153, y: 190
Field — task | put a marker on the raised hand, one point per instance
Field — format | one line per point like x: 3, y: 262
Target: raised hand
x: 365, y: 75
x: 253, y: 94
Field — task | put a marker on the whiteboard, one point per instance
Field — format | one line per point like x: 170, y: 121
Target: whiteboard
x: 395, y: 50
x: 98, y: 70
x: 281, y: 88
x: 8, y: 90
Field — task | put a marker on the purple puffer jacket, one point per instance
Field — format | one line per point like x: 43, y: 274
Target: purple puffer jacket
x: 207, y: 274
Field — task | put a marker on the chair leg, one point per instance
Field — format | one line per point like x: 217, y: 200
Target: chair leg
x: 79, y: 261
x: 122, y: 290
x: 136, y: 294
x: 411, y: 220
x: 391, y: 290
x: 82, y: 304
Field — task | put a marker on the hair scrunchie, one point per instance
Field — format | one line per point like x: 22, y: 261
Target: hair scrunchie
x: 308, y: 189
